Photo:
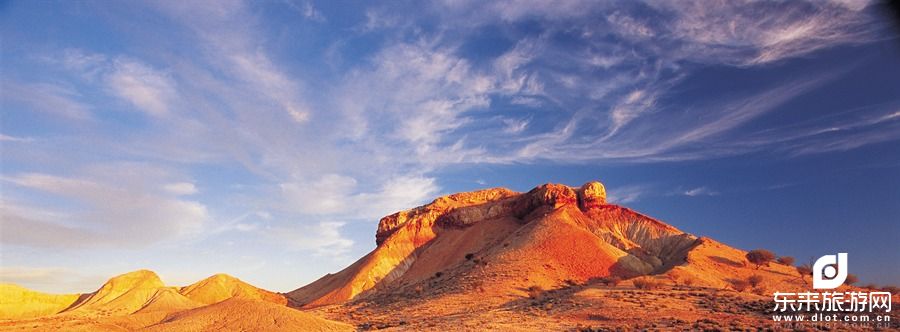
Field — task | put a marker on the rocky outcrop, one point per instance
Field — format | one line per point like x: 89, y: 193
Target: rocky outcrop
x: 465, y: 209
x: 427, y: 214
x: 591, y: 195
x: 572, y: 230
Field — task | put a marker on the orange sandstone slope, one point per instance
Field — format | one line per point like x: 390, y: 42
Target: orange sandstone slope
x: 550, y: 234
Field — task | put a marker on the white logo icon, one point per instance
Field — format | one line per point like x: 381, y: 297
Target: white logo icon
x: 830, y: 271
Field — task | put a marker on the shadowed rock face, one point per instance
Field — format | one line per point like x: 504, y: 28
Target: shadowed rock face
x: 573, y: 228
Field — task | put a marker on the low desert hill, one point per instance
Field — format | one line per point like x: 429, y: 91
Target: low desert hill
x: 139, y: 300
x: 126, y: 294
x: 221, y: 287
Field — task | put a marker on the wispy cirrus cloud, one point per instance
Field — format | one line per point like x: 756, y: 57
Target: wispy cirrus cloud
x: 49, y: 98
x: 332, y: 194
x: 700, y: 191
x: 628, y: 194
x: 662, y: 42
x: 322, y: 238
x: 109, y: 205
x: 755, y: 33
x: 142, y: 87
x: 146, y: 88
x: 232, y: 45
x: 181, y: 188
x: 8, y: 138
x: 415, y: 97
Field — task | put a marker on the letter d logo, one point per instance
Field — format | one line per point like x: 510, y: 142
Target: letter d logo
x: 830, y: 271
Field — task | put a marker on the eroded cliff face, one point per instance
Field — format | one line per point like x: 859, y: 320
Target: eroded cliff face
x: 465, y: 209
x: 427, y: 214
x: 575, y: 228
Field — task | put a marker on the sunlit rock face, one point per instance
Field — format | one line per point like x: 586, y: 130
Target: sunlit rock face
x: 463, y: 209
x: 427, y: 214
x: 591, y: 195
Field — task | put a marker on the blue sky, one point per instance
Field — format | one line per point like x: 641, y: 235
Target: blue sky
x: 265, y: 139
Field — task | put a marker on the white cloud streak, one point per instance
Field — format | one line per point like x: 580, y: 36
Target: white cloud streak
x: 700, y: 191
x: 7, y: 138
x: 628, y: 194
x: 339, y: 196
x: 145, y: 88
x: 181, y: 188
x: 52, y: 99
x: 323, y: 238
x: 110, y: 205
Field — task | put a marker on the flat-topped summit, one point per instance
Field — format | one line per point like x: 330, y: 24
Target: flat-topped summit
x: 463, y: 206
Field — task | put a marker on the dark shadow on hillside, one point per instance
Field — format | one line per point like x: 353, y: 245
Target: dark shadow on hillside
x: 79, y: 301
x: 726, y: 261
